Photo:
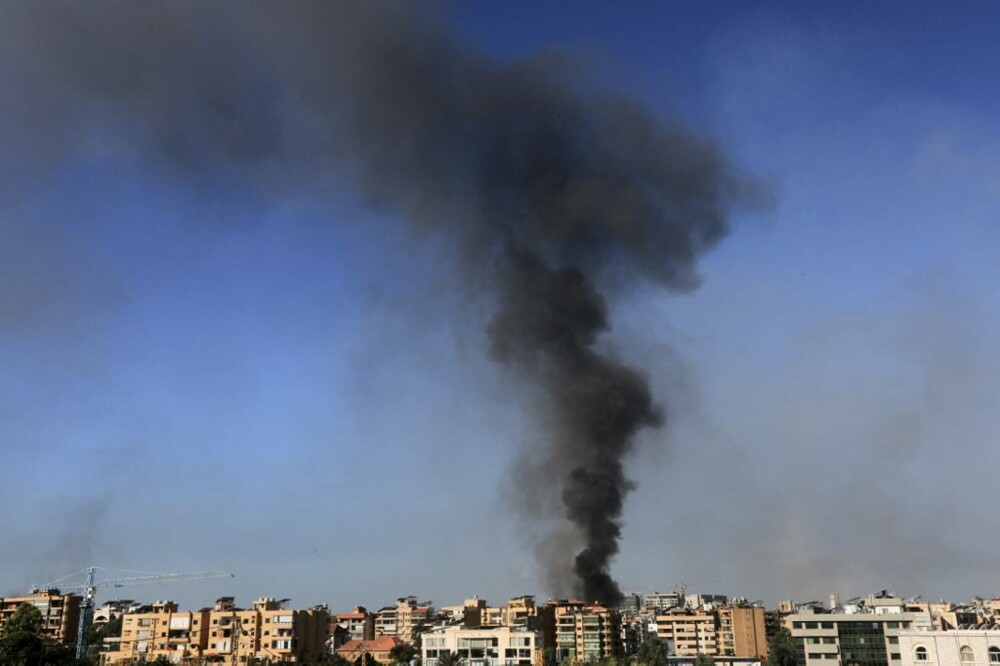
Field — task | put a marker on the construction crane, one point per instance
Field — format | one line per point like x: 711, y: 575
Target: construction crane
x: 88, y: 589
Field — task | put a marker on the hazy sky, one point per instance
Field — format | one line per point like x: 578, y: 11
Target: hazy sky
x: 200, y: 373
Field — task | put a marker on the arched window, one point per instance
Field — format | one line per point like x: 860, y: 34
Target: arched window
x: 994, y: 654
x: 920, y: 653
x: 966, y: 654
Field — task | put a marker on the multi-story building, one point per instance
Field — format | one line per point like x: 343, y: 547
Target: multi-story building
x: 224, y: 634
x: 741, y: 631
x: 852, y: 639
x: 358, y: 625
x: 406, y: 619
x: 60, y: 612
x: 957, y: 647
x: 483, y: 646
x: 662, y: 601
x: 521, y: 612
x: 692, y: 632
x: 582, y: 632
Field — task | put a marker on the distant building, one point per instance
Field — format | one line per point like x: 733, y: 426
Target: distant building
x: 224, y: 634
x: 111, y: 610
x: 357, y: 625
x: 379, y: 649
x: 483, y: 646
x: 406, y: 619
x: 661, y: 601
x: 60, y: 613
x: 959, y: 647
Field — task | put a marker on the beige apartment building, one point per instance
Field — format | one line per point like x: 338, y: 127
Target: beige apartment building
x: 740, y: 631
x: 224, y: 634
x: 580, y: 631
x: 60, y: 613
x: 692, y: 632
x: 406, y: 619
x: 483, y: 646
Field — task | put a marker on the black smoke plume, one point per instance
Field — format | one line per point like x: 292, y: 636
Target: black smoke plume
x: 548, y: 185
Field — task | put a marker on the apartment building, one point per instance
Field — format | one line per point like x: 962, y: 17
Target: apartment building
x: 852, y: 639
x: 357, y: 625
x: 483, y: 646
x: 692, y: 632
x: 662, y: 601
x: 406, y: 619
x: 580, y: 631
x: 957, y: 647
x: 60, y: 612
x: 741, y: 631
x: 223, y: 634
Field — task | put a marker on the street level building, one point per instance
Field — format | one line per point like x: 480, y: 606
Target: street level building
x: 483, y: 646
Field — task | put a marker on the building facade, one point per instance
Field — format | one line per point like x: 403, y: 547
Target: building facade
x: 741, y: 631
x: 959, y: 647
x: 60, y: 613
x: 224, y: 634
x: 852, y: 639
x: 406, y: 619
x: 582, y: 632
x: 483, y: 646
x: 692, y: 632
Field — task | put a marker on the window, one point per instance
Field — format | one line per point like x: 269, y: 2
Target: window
x: 994, y: 654
x: 966, y: 654
x: 920, y: 654
x: 826, y: 625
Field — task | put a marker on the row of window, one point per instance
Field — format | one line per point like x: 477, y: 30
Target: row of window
x: 966, y: 654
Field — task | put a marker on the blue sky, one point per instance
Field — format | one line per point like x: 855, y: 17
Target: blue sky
x: 197, y: 376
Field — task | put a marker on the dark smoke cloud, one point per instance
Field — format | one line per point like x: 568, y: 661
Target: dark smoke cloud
x: 548, y: 186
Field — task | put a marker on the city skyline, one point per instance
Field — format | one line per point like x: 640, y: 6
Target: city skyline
x: 209, y: 369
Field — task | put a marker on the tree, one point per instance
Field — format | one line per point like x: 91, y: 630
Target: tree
x: 703, y: 660
x: 449, y: 658
x: 21, y: 644
x: 781, y: 649
x: 653, y: 652
x: 402, y: 653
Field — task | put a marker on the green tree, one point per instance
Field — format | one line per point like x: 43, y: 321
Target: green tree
x: 781, y: 649
x: 703, y: 660
x: 549, y: 657
x: 21, y: 644
x: 402, y: 653
x: 652, y: 652
x: 448, y: 658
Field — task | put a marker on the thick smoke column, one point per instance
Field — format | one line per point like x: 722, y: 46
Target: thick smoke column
x: 548, y: 324
x: 548, y: 186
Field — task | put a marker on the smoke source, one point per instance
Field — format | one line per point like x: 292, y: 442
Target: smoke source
x: 549, y: 186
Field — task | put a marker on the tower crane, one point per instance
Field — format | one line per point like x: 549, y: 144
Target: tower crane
x: 88, y: 589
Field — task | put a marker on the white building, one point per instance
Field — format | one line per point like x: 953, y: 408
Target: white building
x: 846, y: 639
x: 958, y: 647
x: 483, y: 646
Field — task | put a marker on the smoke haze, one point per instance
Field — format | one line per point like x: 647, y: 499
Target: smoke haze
x: 556, y: 194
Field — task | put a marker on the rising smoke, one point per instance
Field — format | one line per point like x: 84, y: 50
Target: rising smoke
x: 549, y: 187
